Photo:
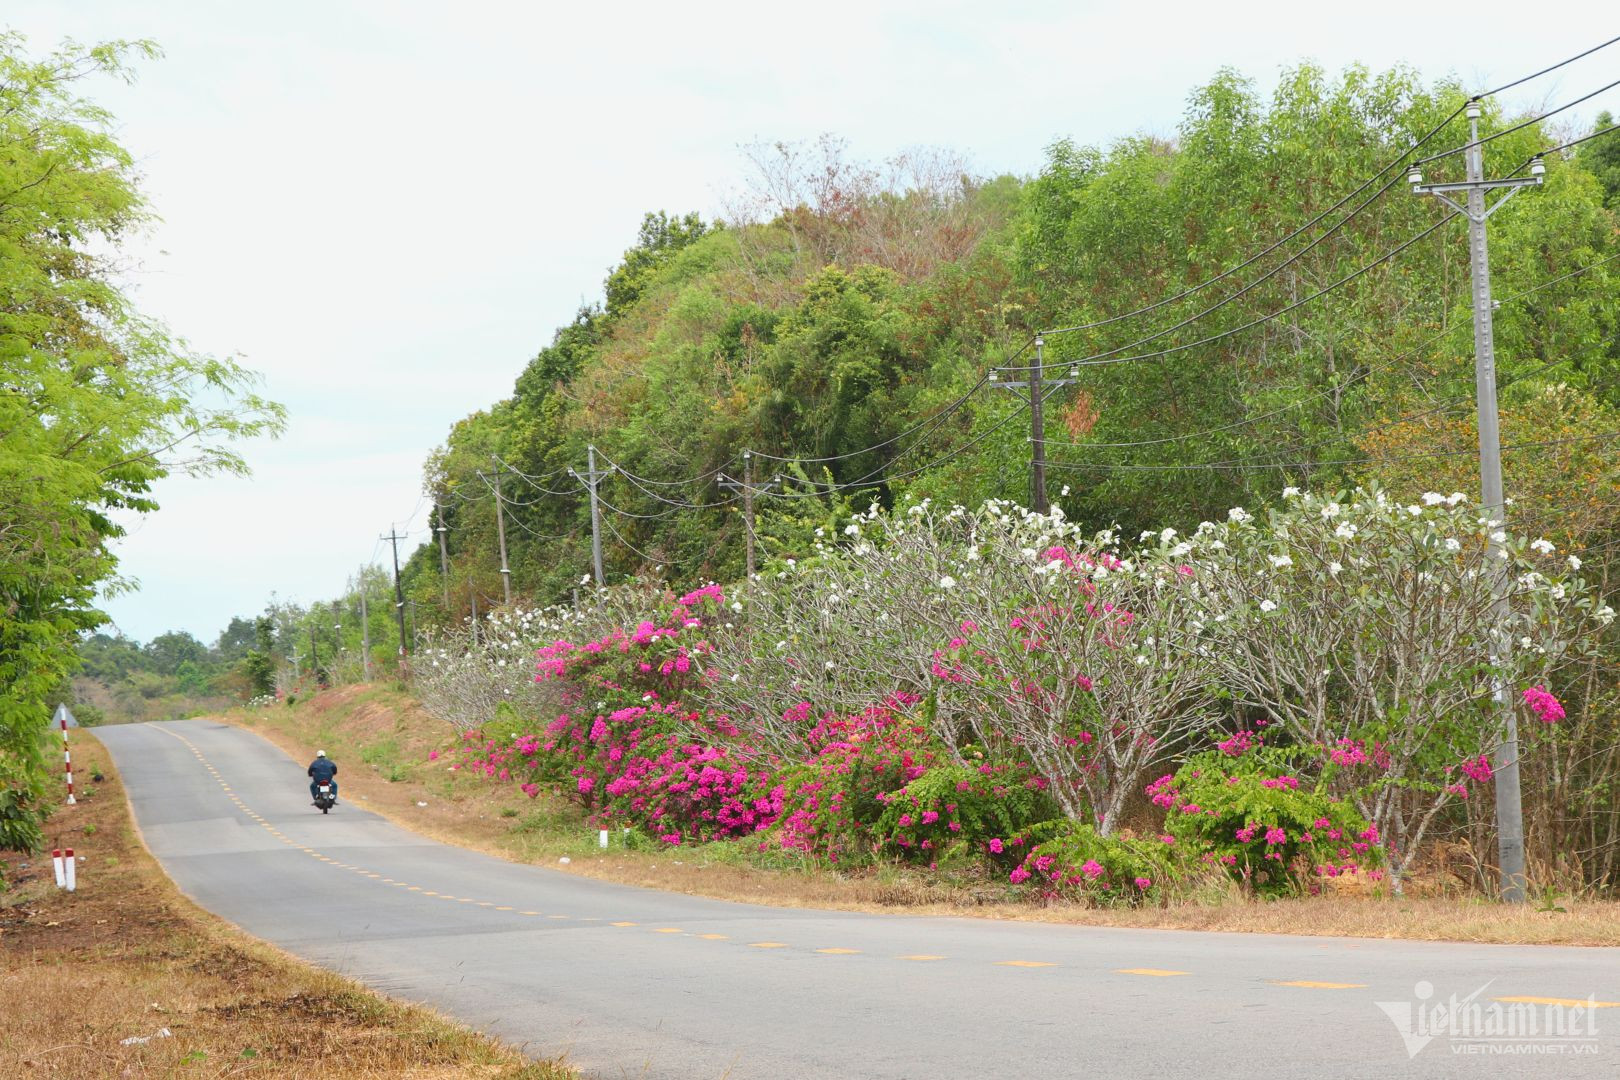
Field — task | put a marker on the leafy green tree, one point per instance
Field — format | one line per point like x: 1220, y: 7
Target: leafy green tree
x: 98, y: 403
x: 259, y: 665
x: 167, y: 652
x: 659, y: 237
x: 1601, y: 157
x: 235, y: 640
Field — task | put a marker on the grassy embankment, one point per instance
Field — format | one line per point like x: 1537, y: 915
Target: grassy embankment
x: 127, y: 956
x: 381, y: 740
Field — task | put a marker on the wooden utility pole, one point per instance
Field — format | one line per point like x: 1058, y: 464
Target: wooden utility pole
x: 1035, y: 389
x: 748, y: 489
x: 399, y: 597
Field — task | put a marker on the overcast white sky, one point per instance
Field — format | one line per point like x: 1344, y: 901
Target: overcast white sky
x: 387, y: 207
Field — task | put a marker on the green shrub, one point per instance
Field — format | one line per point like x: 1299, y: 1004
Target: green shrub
x: 953, y: 811
x: 1252, y: 813
x: 1072, y: 860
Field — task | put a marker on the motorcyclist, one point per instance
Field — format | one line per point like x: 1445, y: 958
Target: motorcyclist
x: 323, y: 770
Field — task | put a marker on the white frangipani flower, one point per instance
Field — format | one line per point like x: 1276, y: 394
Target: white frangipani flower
x: 1543, y: 545
x: 1268, y: 605
x: 1433, y: 498
x: 1453, y: 544
x: 1574, y: 562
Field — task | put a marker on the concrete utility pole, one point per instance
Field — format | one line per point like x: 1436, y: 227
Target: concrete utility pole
x: 399, y: 596
x: 592, y: 479
x: 444, y: 560
x: 365, y: 632
x: 1035, y: 390
x: 337, y: 644
x: 314, y: 654
x: 500, y: 528
x: 1509, y: 801
x: 748, y: 488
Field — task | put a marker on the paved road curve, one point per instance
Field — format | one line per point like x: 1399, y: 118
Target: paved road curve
x: 635, y: 983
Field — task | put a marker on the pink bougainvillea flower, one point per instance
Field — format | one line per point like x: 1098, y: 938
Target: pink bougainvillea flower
x: 1543, y: 704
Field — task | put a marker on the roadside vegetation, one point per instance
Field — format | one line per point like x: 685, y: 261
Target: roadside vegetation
x: 100, y: 403
x: 414, y: 785
x: 1286, y: 693
x: 126, y: 957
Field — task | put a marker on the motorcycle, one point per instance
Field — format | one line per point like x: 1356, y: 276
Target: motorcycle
x: 325, y: 797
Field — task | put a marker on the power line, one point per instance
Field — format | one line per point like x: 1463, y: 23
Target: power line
x: 862, y: 482
x: 1243, y: 465
x: 681, y: 503
x: 620, y: 537
x: 673, y: 510
x: 1548, y: 70
x: 1352, y: 276
x: 1395, y: 162
x: 1359, y: 377
x: 1493, y: 136
x: 698, y: 479
x: 535, y: 482
x: 948, y: 410
x: 1572, y: 142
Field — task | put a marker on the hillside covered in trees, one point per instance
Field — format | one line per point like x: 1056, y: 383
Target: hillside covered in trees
x: 843, y: 323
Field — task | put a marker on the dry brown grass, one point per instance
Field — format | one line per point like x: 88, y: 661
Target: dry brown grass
x: 127, y: 956
x: 497, y: 819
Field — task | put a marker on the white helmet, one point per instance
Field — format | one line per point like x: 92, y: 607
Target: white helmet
x: 320, y: 753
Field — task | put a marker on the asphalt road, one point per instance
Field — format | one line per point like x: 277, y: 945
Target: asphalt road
x: 635, y: 983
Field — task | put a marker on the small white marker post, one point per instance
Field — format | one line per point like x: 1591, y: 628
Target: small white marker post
x: 601, y: 838
x: 72, y: 870
x: 56, y: 864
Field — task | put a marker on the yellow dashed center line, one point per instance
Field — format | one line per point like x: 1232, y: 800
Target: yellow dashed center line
x: 767, y: 944
x: 1310, y: 985
x: 838, y: 952
x: 1157, y: 972
x: 1568, y: 1002
x: 668, y: 930
x: 623, y: 924
x: 714, y: 937
x: 920, y: 956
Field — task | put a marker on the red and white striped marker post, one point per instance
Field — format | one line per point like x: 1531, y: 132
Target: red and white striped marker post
x: 67, y: 758
x: 56, y: 864
x: 72, y: 869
